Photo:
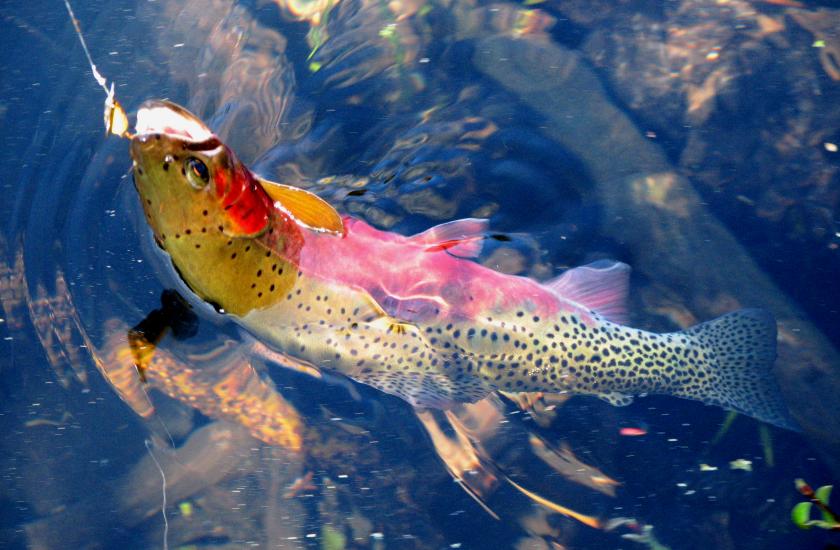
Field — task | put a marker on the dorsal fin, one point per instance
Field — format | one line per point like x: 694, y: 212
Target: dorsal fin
x: 307, y: 209
x: 601, y: 286
x: 459, y: 237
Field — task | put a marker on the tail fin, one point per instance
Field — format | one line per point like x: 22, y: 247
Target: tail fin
x: 741, y: 347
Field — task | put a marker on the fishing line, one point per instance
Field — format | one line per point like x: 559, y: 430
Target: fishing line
x: 157, y: 417
x: 163, y: 425
x: 125, y: 177
x: 116, y: 121
x: 99, y: 78
x: 163, y: 508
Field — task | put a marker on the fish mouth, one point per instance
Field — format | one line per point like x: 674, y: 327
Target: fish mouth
x: 160, y: 117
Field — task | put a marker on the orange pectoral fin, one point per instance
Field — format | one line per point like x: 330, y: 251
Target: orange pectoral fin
x: 307, y: 209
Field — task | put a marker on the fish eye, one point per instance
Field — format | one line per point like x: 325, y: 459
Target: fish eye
x: 196, y: 172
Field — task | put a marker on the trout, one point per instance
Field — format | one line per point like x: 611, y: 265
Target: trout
x: 415, y: 316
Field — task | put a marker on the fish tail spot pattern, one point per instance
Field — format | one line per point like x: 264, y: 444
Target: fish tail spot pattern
x: 741, y: 349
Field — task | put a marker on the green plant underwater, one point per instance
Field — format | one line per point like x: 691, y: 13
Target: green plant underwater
x: 801, y: 513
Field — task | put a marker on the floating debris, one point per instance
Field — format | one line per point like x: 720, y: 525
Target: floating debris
x: 34, y: 423
x: 186, y: 508
x: 299, y: 486
x: 741, y: 464
x: 632, y: 432
x: 642, y: 532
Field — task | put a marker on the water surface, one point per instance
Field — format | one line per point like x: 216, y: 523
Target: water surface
x: 696, y: 142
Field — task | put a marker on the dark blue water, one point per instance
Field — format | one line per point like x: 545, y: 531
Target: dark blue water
x: 696, y: 142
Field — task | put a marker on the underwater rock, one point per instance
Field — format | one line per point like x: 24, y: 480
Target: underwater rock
x: 209, y: 455
x: 727, y: 87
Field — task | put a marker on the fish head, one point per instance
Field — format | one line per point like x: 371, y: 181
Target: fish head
x: 222, y: 226
x: 188, y: 179
x: 208, y: 211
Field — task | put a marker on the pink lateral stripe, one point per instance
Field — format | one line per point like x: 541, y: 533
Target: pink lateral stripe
x: 413, y: 283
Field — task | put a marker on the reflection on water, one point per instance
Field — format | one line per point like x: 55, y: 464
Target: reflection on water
x: 581, y: 130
